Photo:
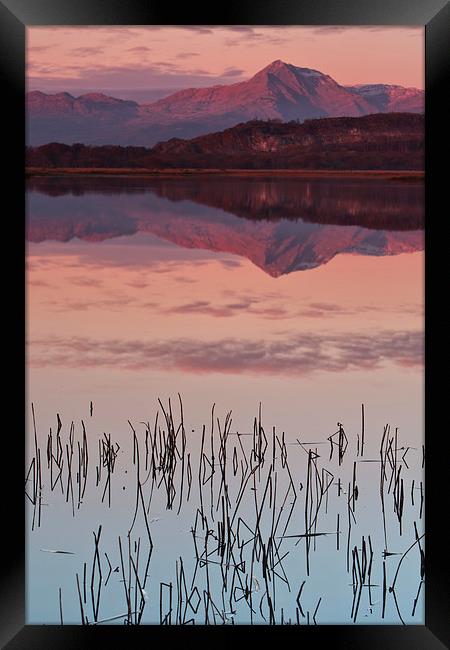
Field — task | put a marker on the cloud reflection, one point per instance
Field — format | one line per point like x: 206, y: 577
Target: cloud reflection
x: 298, y: 354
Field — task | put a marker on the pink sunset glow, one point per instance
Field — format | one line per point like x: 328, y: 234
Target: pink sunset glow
x: 132, y: 61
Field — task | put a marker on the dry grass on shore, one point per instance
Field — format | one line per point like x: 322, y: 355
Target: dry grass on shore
x: 302, y: 173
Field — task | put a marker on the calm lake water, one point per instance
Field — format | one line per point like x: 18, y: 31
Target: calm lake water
x: 216, y: 296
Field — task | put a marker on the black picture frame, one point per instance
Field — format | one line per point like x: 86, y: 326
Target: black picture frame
x: 15, y: 16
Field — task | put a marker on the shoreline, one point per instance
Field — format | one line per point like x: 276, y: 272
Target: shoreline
x: 383, y: 174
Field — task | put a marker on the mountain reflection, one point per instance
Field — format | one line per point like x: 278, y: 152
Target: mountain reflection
x: 280, y: 224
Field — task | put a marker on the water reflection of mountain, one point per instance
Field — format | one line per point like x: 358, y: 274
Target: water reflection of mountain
x: 370, y: 203
x: 281, y: 225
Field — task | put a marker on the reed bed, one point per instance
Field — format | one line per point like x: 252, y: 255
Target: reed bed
x: 259, y: 512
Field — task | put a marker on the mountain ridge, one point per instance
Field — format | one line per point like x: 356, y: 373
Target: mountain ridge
x: 278, y: 91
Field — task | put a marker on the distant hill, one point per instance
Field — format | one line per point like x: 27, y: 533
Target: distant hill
x: 378, y: 141
x: 279, y: 91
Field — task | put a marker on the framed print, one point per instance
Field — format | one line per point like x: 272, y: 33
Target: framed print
x: 228, y: 261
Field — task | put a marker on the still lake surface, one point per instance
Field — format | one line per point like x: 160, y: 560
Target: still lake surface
x: 306, y: 297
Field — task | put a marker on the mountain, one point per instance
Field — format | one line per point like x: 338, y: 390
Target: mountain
x: 390, y: 99
x: 280, y: 225
x: 376, y: 141
x: 278, y: 91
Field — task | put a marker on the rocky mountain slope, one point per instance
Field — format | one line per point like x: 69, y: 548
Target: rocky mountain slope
x: 377, y: 141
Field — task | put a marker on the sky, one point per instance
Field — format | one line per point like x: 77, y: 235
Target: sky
x: 146, y: 63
